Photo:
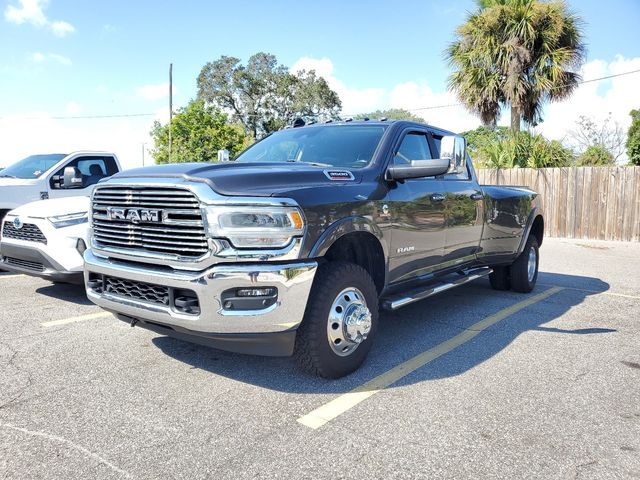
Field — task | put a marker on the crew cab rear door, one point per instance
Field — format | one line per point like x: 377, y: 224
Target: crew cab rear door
x: 416, y: 211
x: 463, y: 214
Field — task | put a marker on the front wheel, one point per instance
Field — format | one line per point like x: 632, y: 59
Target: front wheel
x: 524, y: 271
x: 340, y: 321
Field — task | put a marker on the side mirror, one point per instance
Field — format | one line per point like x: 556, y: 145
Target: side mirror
x: 223, y: 155
x: 454, y: 148
x: 418, y: 169
x: 72, y: 178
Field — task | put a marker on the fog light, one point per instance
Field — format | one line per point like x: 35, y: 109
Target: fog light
x: 255, y: 292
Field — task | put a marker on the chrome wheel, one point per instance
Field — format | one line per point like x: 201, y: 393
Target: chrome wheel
x: 349, y: 322
x: 531, y: 264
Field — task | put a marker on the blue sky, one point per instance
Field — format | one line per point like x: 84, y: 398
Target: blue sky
x: 63, y: 57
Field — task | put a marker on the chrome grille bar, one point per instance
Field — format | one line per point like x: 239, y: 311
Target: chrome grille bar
x: 181, y: 231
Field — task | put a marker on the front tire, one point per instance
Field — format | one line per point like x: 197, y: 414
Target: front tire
x: 340, y: 321
x: 524, y: 271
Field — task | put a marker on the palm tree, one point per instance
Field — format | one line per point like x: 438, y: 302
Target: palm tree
x: 517, y: 53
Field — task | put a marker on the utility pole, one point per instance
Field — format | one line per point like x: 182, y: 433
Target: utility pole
x: 170, y: 105
x: 143, y: 144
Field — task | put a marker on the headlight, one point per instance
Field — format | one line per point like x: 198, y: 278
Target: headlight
x: 61, y: 221
x: 255, y: 227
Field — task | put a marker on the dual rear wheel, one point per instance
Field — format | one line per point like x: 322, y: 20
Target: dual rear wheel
x: 522, y: 274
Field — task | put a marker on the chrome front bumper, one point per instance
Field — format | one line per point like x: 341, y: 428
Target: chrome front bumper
x: 293, y: 281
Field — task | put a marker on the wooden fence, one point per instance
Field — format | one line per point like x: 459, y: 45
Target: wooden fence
x: 600, y: 203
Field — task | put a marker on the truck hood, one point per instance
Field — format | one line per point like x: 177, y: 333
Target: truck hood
x: 17, y: 191
x: 248, y: 179
x: 20, y: 182
x: 52, y: 208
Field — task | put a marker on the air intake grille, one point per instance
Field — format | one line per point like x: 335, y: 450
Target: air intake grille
x: 28, y: 232
x: 26, y: 264
x: 177, y: 228
x: 137, y: 290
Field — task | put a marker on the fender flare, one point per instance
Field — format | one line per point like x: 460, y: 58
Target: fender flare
x: 527, y: 229
x: 343, y: 227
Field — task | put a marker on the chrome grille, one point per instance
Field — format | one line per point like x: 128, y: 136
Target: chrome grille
x: 181, y: 231
x: 137, y: 290
x: 28, y: 232
x: 26, y: 264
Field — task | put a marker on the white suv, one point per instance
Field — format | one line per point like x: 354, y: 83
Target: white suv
x: 46, y: 239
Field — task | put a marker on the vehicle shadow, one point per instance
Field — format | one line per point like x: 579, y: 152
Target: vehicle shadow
x: 409, y: 332
x: 67, y: 292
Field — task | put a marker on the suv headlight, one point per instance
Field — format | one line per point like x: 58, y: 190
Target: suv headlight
x: 255, y: 226
x: 61, y: 221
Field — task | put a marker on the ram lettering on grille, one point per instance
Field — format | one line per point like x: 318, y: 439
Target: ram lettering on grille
x: 156, y: 220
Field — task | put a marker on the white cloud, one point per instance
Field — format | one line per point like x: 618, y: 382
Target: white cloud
x: 32, y: 12
x: 29, y: 11
x: 73, y: 108
x: 616, y: 96
x: 38, y: 132
x: 353, y: 100
x: 39, y: 57
x: 156, y: 91
x: 60, y: 28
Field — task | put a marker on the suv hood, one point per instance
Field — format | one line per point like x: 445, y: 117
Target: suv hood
x: 52, y: 208
x: 248, y: 179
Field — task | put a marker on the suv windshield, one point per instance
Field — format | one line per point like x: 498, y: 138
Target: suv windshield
x: 350, y: 146
x: 32, y: 166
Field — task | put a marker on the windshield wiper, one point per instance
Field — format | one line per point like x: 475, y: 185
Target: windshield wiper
x: 314, y: 164
x: 7, y: 176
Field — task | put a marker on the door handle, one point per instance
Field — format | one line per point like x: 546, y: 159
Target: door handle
x: 437, y: 197
x: 476, y: 196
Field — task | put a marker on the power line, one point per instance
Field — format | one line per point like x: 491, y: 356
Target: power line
x: 431, y: 107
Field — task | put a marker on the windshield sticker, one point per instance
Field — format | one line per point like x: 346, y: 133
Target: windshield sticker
x: 339, y: 175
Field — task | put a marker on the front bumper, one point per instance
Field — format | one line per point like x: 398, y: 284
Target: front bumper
x: 31, y: 259
x: 227, y: 328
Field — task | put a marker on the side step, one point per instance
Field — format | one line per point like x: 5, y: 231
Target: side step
x: 397, y: 301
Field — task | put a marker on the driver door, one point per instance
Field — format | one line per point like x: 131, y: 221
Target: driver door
x: 416, y: 210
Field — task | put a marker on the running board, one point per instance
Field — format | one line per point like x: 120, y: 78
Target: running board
x: 397, y: 301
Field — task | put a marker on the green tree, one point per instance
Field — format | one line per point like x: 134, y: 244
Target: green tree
x: 517, y: 53
x: 633, y: 138
x: 263, y: 95
x: 198, y: 132
x: 595, y: 156
x: 391, y: 114
x: 502, y: 148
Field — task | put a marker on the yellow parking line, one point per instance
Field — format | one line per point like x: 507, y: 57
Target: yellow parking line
x: 81, y: 318
x: 12, y: 276
x: 338, y: 406
x: 624, y: 295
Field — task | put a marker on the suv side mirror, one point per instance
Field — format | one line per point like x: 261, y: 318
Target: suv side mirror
x: 454, y: 148
x: 72, y: 178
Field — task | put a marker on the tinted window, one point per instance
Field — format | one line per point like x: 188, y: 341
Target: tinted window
x: 33, y: 166
x: 93, y: 169
x: 349, y: 146
x: 414, y: 146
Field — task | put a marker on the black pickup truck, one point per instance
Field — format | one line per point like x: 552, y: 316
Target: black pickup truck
x: 294, y: 246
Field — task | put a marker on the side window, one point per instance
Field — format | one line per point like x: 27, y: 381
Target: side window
x: 414, y: 146
x: 93, y: 169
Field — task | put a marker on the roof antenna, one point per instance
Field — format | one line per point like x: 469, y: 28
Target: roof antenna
x: 366, y: 119
x: 298, y: 122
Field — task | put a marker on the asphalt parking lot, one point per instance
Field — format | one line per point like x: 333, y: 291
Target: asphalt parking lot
x: 473, y: 383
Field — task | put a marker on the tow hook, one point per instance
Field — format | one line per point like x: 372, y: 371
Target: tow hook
x: 133, y: 322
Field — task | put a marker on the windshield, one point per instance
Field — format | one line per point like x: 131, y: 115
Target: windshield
x: 32, y: 166
x: 350, y: 146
